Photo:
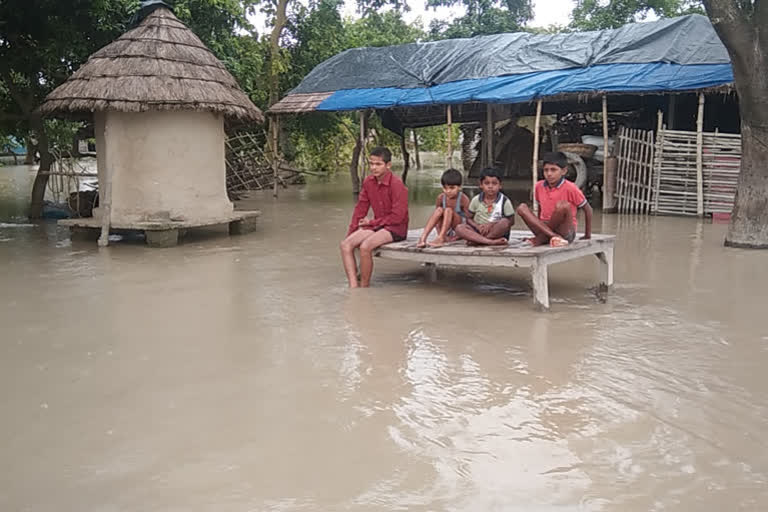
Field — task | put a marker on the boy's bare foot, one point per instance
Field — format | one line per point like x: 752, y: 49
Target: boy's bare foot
x: 451, y: 238
x: 499, y: 241
x: 421, y: 244
x: 557, y: 241
x: 437, y: 242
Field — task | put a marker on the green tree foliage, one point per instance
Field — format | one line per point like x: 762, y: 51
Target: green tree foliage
x: 482, y: 17
x: 314, y: 34
x: 598, y: 14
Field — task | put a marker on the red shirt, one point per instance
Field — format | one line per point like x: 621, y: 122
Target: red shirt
x: 548, y: 197
x: 389, y: 200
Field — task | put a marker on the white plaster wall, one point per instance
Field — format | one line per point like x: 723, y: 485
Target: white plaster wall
x: 167, y: 163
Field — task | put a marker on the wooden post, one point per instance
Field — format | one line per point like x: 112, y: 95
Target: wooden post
x: 275, y: 129
x: 449, y: 159
x: 700, y: 157
x: 535, y: 164
x: 606, y: 195
x: 406, y: 157
x: 490, y: 161
x: 416, y: 148
x: 106, y: 214
x: 362, y: 144
x: 659, y: 142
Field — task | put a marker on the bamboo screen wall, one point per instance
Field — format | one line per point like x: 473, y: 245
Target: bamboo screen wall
x: 668, y: 175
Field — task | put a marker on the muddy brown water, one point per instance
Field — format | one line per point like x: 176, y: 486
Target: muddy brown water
x: 233, y: 374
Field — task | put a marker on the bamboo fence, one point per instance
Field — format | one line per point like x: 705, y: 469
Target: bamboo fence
x: 663, y: 176
x: 634, y: 178
x: 677, y: 174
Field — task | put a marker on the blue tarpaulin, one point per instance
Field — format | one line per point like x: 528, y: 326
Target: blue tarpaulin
x: 677, y: 54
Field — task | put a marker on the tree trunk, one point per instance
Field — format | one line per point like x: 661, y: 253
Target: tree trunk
x: 29, y: 159
x: 353, y: 173
x: 275, y: 67
x: 75, y: 151
x: 416, y: 148
x: 749, y: 220
x: 406, y: 158
x: 41, y: 179
x: 359, y: 147
x: 741, y: 27
x: 468, y: 152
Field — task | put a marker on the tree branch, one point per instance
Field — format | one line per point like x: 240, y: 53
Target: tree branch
x: 24, y: 103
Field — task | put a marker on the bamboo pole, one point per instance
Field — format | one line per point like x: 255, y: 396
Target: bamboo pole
x: 700, y: 157
x: 606, y: 196
x: 275, y: 159
x: 362, y: 145
x: 449, y: 159
x: 658, y: 153
x: 489, y: 135
x: 416, y: 148
x: 106, y: 214
x: 535, y: 163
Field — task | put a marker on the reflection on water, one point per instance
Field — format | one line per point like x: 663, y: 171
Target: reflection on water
x: 241, y: 374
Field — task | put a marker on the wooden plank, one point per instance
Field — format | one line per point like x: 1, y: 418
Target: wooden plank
x: 621, y: 173
x: 699, y: 157
x: 649, y: 177
x: 606, y: 196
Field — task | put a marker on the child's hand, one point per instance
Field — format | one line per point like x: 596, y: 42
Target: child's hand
x: 363, y: 223
x: 484, y: 229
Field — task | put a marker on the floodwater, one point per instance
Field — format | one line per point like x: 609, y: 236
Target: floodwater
x: 240, y: 374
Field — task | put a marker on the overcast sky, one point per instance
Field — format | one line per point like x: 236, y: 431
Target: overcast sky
x: 546, y: 12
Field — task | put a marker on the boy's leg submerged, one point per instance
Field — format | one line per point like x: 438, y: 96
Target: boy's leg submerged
x: 370, y: 244
x: 348, y: 246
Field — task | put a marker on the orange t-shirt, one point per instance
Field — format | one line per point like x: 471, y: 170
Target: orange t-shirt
x: 548, y: 197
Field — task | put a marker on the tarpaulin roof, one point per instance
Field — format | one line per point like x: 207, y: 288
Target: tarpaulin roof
x: 676, y: 54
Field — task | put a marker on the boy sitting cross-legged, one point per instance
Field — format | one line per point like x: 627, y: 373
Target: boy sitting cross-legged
x: 491, y: 214
x: 450, y: 211
x: 559, y: 199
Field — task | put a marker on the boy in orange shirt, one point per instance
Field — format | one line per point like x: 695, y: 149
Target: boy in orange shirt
x: 559, y: 200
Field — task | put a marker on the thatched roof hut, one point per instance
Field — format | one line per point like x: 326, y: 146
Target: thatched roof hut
x: 159, y: 65
x: 159, y: 99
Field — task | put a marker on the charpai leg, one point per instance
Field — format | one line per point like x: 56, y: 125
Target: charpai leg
x: 540, y: 283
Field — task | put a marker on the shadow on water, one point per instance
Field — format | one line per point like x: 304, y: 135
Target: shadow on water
x: 240, y: 373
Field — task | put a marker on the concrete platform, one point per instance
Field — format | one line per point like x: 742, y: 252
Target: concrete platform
x: 164, y: 233
x: 516, y: 254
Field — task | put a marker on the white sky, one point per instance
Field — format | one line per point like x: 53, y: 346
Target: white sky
x: 546, y: 12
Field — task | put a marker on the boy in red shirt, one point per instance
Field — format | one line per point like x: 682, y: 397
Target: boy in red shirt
x: 386, y: 194
x: 559, y: 199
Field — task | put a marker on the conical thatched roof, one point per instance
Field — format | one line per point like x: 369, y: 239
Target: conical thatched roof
x: 159, y: 65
